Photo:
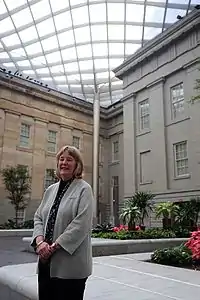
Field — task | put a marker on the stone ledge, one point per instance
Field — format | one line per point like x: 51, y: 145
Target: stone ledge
x: 106, y: 247
x: 16, y: 232
x: 19, y: 282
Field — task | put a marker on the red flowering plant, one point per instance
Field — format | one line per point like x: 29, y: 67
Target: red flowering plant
x: 194, y: 245
x: 120, y: 228
x: 124, y: 228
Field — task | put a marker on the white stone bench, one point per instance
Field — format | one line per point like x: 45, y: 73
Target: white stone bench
x: 18, y: 282
x: 16, y: 232
x: 105, y: 247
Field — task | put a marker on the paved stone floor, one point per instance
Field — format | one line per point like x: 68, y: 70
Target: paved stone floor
x: 121, y: 277
x: 11, y: 252
x: 126, y: 277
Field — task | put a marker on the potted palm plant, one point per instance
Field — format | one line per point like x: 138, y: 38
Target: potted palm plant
x: 143, y: 201
x: 166, y: 210
x: 130, y: 214
x: 188, y: 213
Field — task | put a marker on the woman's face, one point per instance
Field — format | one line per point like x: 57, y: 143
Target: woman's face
x: 66, y: 166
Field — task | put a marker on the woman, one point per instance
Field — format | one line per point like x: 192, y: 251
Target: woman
x: 62, y: 231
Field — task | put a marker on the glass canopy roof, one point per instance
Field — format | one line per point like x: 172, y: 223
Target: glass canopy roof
x: 73, y: 45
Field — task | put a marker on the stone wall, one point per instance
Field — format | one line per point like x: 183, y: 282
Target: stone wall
x: 42, y: 112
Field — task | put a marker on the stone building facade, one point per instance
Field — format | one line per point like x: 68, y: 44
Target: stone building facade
x: 149, y: 140
x: 160, y: 123
x: 34, y: 124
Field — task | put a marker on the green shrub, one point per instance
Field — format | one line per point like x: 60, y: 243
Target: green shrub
x: 179, y: 256
x: 152, y: 233
x: 10, y: 224
x: 28, y: 224
x: 181, y: 232
x: 105, y: 227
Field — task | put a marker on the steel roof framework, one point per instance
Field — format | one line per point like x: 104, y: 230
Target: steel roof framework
x: 73, y: 45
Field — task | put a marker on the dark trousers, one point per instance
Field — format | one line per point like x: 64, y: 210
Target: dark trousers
x: 57, y: 288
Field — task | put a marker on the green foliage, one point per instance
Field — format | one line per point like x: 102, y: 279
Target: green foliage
x: 151, y: 233
x: 105, y: 227
x: 143, y: 201
x: 130, y: 213
x: 11, y: 224
x: 181, y: 232
x: 17, y: 183
x: 166, y: 209
x: 179, y: 256
x: 28, y: 224
x: 188, y: 212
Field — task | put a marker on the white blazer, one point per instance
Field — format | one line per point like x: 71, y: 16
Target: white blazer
x: 72, y: 229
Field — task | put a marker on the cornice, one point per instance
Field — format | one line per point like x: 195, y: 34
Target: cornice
x: 160, y: 80
x: 162, y: 40
x: 12, y: 112
x: 54, y: 97
x: 61, y: 99
x: 127, y: 97
x: 191, y: 63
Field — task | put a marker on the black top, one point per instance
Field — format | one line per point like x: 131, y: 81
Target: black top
x: 63, y: 187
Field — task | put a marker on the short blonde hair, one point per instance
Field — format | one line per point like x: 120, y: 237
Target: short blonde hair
x: 75, y: 153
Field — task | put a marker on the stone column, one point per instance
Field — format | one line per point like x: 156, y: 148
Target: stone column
x: 130, y: 164
x: 95, y: 181
x: 158, y: 134
x: 38, y: 159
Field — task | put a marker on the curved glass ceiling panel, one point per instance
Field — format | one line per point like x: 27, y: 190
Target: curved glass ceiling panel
x: 28, y: 34
x: 22, y: 17
x: 6, y: 25
x: 73, y: 45
x: 40, y: 9
x: 3, y: 9
x: 14, y: 4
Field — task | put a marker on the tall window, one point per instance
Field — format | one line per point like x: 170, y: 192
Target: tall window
x: 145, y: 167
x: 24, y: 135
x: 76, y: 142
x: 181, y: 159
x: 100, y: 153
x: 20, y: 215
x: 115, y: 180
x: 115, y: 198
x: 51, y: 147
x: 100, y: 187
x: 49, y: 178
x: 144, y: 115
x: 177, y: 100
x: 115, y: 151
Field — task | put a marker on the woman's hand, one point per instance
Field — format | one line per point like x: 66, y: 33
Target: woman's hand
x: 44, y: 251
x: 54, y: 247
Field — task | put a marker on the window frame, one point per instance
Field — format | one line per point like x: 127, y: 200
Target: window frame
x: 25, y: 134
x: 21, y: 215
x: 51, y: 143
x: 115, y: 154
x: 176, y: 160
x: 142, y: 116
x: 75, y: 139
x: 51, y: 181
x: 175, y: 113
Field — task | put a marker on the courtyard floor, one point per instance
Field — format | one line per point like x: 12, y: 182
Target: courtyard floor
x: 121, y: 277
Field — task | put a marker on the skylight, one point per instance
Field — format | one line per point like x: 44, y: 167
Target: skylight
x: 73, y: 45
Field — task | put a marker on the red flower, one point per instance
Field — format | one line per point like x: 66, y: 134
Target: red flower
x: 116, y: 229
x: 120, y: 228
x: 194, y: 244
x: 137, y: 227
